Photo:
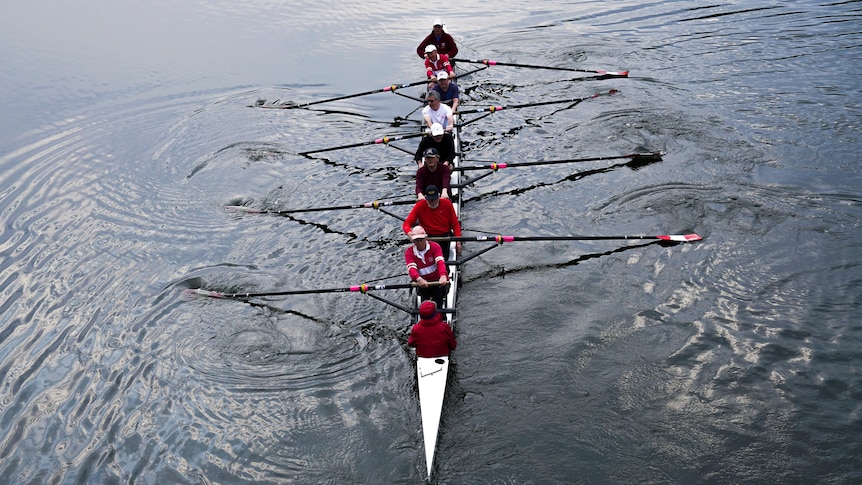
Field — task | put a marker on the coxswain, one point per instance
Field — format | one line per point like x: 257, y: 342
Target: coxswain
x: 431, y: 336
x: 444, y: 42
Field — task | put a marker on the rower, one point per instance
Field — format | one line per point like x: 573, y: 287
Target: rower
x: 444, y: 42
x: 436, y: 63
x: 433, y: 173
x: 437, y: 112
x: 448, y: 90
x: 431, y: 336
x: 439, y: 140
x: 425, y: 262
x: 437, y: 216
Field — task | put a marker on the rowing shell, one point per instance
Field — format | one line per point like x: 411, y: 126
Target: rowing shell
x: 432, y: 373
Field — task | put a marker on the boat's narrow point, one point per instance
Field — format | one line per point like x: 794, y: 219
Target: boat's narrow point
x: 431, y: 374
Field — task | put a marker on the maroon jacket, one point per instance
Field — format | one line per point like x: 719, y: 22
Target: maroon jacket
x: 432, y: 337
x: 446, y: 45
x: 440, y: 178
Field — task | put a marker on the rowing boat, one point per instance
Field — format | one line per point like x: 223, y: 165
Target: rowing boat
x: 432, y: 372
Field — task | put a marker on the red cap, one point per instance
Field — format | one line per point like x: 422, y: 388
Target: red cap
x: 427, y: 309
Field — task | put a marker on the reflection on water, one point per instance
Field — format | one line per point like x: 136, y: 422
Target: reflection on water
x: 728, y: 360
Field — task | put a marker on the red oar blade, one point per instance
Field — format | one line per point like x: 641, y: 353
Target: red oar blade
x: 612, y: 73
x: 680, y: 237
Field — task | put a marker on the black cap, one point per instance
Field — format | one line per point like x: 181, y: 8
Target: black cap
x: 431, y: 192
x: 430, y: 152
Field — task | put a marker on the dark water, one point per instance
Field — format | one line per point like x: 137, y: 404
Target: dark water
x: 125, y: 130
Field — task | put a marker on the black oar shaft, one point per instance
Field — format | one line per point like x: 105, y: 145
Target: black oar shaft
x: 367, y: 205
x: 364, y: 288
x: 504, y: 239
x: 493, y: 109
x: 489, y: 62
x: 496, y: 166
x: 391, y: 88
x: 384, y: 140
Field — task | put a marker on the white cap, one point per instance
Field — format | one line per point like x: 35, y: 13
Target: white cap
x: 436, y: 129
x: 442, y: 75
x: 417, y: 233
x: 438, y: 22
x: 430, y: 48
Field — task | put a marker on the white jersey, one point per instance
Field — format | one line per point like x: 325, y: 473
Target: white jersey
x: 440, y: 116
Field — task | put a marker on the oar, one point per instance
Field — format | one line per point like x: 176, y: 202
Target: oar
x: 636, y: 157
x: 540, y: 103
x: 503, y: 239
x: 367, y: 205
x: 385, y: 139
x: 364, y: 288
x: 488, y: 62
x: 391, y: 88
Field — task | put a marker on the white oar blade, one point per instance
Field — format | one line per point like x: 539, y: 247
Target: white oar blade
x: 201, y: 292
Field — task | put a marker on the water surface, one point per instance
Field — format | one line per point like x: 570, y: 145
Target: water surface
x: 126, y: 129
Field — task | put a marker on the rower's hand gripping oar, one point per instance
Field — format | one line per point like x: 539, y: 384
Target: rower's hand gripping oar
x: 363, y: 288
x: 489, y: 62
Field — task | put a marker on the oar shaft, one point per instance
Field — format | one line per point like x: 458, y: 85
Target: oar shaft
x: 504, y: 239
x: 489, y: 62
x: 367, y: 205
x: 391, y: 88
x: 364, y: 288
x: 496, y: 166
x: 385, y: 139
x: 493, y: 109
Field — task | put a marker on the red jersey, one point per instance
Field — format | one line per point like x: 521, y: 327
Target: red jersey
x: 428, y: 264
x: 437, y: 222
x: 441, y: 64
x: 432, y: 337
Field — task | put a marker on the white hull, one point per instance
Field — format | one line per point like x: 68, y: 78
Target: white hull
x: 431, y: 373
